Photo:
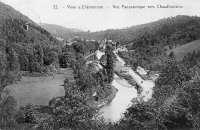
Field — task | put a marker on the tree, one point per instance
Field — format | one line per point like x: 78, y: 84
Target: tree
x: 4, y: 74
x: 47, y: 60
x: 189, y: 99
x: 35, y: 67
x: 31, y: 59
x: 79, y: 47
x: 26, y: 114
x: 39, y: 53
x: 103, y: 60
x: 172, y: 55
x: 67, y: 59
x: 51, y: 57
x: 110, y: 63
x: 24, y: 63
x: 141, y: 116
x: 73, y: 110
x: 8, y: 103
x: 173, y: 74
x: 8, y: 110
x: 13, y: 61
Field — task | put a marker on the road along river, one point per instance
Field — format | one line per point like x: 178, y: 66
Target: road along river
x: 113, y: 110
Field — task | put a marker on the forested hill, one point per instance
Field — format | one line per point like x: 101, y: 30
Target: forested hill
x: 168, y: 31
x: 173, y: 28
x: 15, y: 27
x: 24, y: 45
x: 151, y: 41
x: 7, y: 12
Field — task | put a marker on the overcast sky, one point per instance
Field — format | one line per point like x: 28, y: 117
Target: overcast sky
x: 101, y: 19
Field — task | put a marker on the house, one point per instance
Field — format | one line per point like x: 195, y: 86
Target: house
x: 122, y: 48
x: 59, y: 39
x: 141, y: 71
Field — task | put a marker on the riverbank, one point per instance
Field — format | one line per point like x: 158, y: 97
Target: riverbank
x: 112, y: 111
x: 112, y: 95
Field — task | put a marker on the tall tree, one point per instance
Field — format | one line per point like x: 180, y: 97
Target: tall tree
x: 13, y: 61
x: 24, y: 63
x: 110, y: 63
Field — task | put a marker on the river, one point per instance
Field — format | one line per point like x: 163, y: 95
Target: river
x: 40, y: 90
x: 113, y: 111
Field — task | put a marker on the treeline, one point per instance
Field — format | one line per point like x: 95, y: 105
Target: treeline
x: 175, y: 101
x: 33, y: 50
x: 171, y: 33
x: 174, y: 105
x: 75, y: 110
x: 151, y: 41
x: 179, y: 27
x: 88, y: 76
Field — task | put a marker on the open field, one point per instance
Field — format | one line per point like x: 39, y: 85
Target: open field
x: 183, y: 50
x: 39, y: 90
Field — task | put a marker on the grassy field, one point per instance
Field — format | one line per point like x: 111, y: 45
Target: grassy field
x: 39, y: 90
x: 181, y: 51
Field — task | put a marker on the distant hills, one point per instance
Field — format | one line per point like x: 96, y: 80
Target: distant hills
x: 60, y: 31
x: 171, y: 31
x: 151, y: 41
x: 148, y: 40
x: 172, y: 28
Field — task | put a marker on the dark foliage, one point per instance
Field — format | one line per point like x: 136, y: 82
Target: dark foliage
x: 173, y: 74
x: 8, y: 112
x: 26, y: 115
x: 110, y: 63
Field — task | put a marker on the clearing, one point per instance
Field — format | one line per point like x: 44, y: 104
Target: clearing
x: 39, y: 90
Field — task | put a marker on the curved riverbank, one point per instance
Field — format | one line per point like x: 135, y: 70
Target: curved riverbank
x: 113, y: 111
x: 146, y: 85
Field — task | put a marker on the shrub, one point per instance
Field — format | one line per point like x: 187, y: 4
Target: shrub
x: 35, y: 67
x: 47, y: 60
x: 26, y: 115
x: 24, y: 63
x: 7, y: 112
x: 67, y: 60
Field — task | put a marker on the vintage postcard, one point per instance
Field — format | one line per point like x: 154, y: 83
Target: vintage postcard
x: 99, y: 64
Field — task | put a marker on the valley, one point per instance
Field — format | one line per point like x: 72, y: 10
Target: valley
x: 140, y: 77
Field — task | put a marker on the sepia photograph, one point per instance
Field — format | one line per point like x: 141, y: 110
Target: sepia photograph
x: 99, y: 65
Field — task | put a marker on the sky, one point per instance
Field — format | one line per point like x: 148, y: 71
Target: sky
x: 42, y: 11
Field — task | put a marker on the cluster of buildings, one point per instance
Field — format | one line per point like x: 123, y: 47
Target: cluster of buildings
x: 116, y: 45
x: 102, y: 44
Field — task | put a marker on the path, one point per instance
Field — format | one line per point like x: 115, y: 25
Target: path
x: 146, y: 85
